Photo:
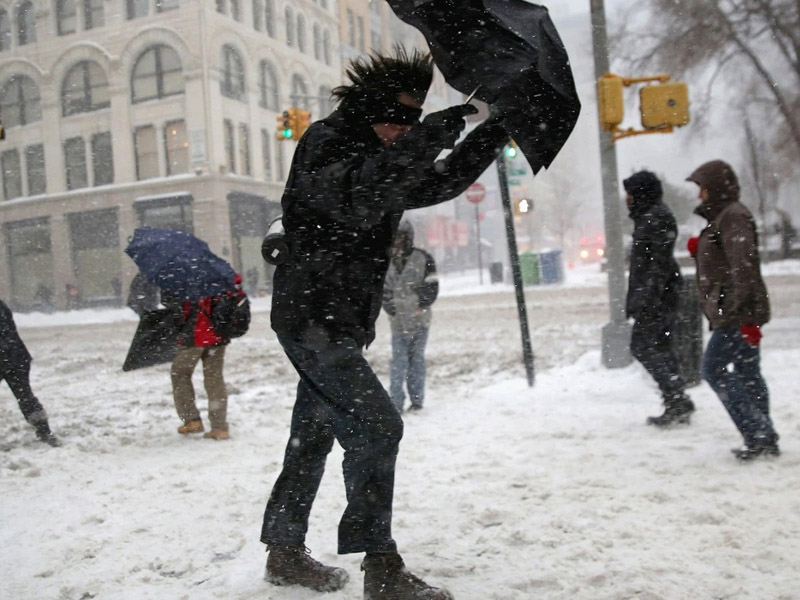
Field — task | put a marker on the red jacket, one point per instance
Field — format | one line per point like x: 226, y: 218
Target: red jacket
x: 197, y: 329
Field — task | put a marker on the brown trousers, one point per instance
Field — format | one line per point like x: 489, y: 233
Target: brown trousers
x: 183, y: 391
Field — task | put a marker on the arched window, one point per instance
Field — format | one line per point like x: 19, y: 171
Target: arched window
x: 317, y: 42
x: 258, y: 14
x: 289, y: 15
x: 236, y: 10
x: 301, y: 33
x: 232, y: 84
x: 5, y: 30
x: 66, y: 17
x: 268, y: 86
x: 85, y: 89
x: 20, y: 101
x: 325, y: 101
x: 299, y: 96
x: 269, y: 18
x: 157, y: 73
x: 326, y: 47
x: 26, y: 23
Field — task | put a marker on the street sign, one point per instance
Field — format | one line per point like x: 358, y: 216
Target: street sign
x: 476, y: 192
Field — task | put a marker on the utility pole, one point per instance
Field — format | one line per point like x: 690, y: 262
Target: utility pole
x: 617, y: 333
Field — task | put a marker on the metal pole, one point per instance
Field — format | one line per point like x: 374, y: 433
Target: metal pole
x: 617, y: 333
x: 527, y: 353
x: 478, y: 236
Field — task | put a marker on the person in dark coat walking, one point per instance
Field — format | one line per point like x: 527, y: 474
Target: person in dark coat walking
x: 653, y: 286
x: 736, y: 303
x: 15, y: 369
x: 352, y: 176
x: 410, y: 289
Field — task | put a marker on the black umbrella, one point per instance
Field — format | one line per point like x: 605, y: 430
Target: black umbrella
x: 511, y: 49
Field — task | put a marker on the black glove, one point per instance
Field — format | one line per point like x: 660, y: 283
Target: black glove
x: 444, y: 127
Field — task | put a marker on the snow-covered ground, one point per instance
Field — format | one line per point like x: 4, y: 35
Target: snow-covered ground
x: 503, y: 492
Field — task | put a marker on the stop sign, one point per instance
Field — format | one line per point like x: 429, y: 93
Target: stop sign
x: 476, y: 192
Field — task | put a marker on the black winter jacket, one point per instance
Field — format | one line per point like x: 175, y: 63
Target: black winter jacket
x: 342, y: 205
x: 13, y: 353
x: 655, y: 276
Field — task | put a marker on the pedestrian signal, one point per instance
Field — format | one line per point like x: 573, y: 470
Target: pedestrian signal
x: 523, y: 206
x: 610, y: 104
x: 511, y: 150
x: 664, y: 105
x: 303, y: 121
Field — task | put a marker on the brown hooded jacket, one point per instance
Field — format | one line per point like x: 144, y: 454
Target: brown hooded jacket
x: 732, y: 290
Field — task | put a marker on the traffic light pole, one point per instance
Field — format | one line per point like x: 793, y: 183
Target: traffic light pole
x: 508, y: 213
x: 617, y: 333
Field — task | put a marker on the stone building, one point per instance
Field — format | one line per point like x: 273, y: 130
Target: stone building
x: 119, y: 114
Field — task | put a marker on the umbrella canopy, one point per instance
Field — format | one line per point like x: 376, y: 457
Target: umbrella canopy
x: 511, y: 49
x: 179, y: 263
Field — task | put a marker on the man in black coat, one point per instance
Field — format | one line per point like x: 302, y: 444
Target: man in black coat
x: 653, y: 287
x: 352, y: 176
x: 15, y: 368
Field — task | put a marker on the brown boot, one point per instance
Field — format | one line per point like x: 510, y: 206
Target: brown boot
x: 386, y: 578
x: 191, y: 427
x: 292, y: 565
x: 217, y: 434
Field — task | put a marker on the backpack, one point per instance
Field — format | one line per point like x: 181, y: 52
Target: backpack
x: 230, y: 314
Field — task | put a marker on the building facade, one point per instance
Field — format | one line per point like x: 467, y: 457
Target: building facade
x: 123, y: 113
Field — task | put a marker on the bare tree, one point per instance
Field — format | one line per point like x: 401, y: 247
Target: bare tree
x: 749, y: 41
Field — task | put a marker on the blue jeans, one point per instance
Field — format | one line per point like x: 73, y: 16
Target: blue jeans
x: 339, y: 398
x: 732, y: 368
x: 408, y: 367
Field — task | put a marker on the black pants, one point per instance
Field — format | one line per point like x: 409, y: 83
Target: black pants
x: 338, y: 397
x: 18, y: 379
x: 652, y: 345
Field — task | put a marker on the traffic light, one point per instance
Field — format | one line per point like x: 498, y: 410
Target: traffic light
x: 664, y: 105
x: 292, y: 123
x: 610, y: 102
x: 511, y: 150
x: 523, y: 206
x: 285, y: 131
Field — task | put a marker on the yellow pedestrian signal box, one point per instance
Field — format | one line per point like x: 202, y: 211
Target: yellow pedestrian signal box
x: 664, y: 105
x: 610, y: 102
x: 302, y: 122
x: 284, y: 126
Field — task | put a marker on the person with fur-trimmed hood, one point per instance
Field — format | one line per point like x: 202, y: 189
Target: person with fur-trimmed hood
x: 736, y: 302
x: 653, y: 286
x: 409, y: 291
x: 353, y: 175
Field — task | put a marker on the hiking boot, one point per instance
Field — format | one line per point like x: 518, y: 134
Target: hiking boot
x: 217, y: 434
x: 415, y: 407
x: 191, y: 427
x: 386, y: 578
x: 292, y: 565
x: 677, y: 411
x: 759, y: 447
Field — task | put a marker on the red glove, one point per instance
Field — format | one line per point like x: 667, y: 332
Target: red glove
x: 691, y: 245
x: 751, y: 334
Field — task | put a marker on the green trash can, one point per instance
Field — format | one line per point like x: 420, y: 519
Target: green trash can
x: 529, y: 268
